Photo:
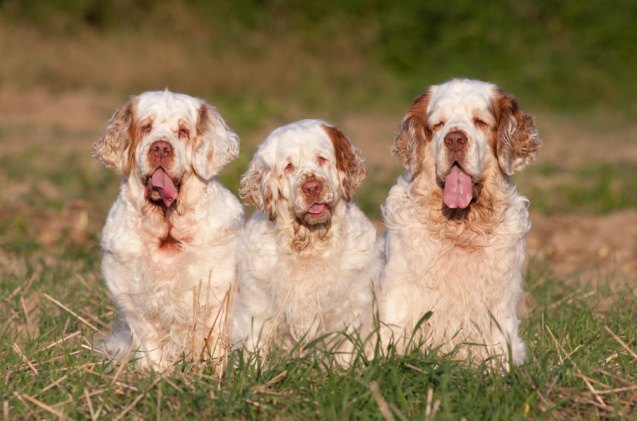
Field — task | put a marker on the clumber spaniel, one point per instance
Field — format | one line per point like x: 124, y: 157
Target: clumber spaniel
x: 456, y: 224
x: 170, y: 237
x: 308, y: 259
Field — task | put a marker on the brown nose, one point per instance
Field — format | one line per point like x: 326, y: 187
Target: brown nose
x: 312, y: 188
x: 455, y: 140
x: 161, y: 149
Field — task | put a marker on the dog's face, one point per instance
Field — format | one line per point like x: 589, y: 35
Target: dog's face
x: 464, y: 127
x: 162, y: 138
x: 303, y: 170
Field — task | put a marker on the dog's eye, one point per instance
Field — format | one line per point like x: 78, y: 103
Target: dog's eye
x: 438, y: 125
x: 184, y: 133
x: 321, y: 160
x: 145, y: 129
x: 289, y: 168
x: 480, y: 123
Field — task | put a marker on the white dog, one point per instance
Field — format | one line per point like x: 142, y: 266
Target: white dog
x: 456, y: 224
x: 170, y: 237
x: 308, y: 261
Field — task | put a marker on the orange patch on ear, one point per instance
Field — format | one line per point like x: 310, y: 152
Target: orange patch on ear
x: 111, y: 147
x: 348, y: 161
x: 409, y: 142
x: 134, y: 136
x: 517, y: 136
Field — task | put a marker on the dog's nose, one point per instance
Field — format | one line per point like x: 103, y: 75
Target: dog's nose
x: 161, y: 149
x: 312, y: 188
x: 455, y: 140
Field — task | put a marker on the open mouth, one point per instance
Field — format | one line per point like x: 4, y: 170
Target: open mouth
x: 317, y: 209
x: 458, y: 188
x: 160, y: 188
x: 317, y: 213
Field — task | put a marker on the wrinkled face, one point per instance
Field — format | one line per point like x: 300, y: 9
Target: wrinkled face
x: 465, y: 131
x: 306, y: 169
x: 159, y: 139
x: 303, y: 170
x: 165, y: 127
x: 462, y: 126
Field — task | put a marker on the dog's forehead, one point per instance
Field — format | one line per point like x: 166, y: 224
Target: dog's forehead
x: 300, y: 139
x: 460, y: 97
x: 167, y: 107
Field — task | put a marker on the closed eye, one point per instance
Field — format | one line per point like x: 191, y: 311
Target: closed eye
x: 439, y: 125
x: 289, y: 168
x: 480, y: 123
x: 321, y: 160
x: 184, y: 133
x: 145, y: 129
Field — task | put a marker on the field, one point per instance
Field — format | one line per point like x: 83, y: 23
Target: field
x: 66, y: 68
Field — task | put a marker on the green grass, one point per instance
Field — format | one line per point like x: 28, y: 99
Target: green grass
x: 54, y: 302
x: 48, y: 368
x: 592, y: 188
x: 567, y: 56
x: 274, y: 61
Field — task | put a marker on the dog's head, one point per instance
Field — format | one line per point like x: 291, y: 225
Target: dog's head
x: 162, y: 138
x: 302, y: 171
x: 459, y: 131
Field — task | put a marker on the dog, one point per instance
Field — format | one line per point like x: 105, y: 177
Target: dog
x: 308, y: 259
x: 455, y: 224
x: 169, y: 238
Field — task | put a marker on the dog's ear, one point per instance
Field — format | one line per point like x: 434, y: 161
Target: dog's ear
x: 517, y: 138
x: 216, y: 145
x: 349, y: 162
x: 413, y: 134
x: 111, y: 148
x: 256, y: 187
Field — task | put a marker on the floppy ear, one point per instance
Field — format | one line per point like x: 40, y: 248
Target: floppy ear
x: 517, y: 138
x: 256, y: 188
x: 349, y: 162
x: 413, y: 134
x: 216, y: 145
x: 110, y: 148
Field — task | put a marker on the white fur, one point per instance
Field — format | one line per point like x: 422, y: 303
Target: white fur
x: 467, y: 272
x: 290, y: 291
x: 172, y: 300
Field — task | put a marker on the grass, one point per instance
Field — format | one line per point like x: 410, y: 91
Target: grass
x: 581, y: 363
x: 580, y: 336
x: 590, y: 188
x: 273, y: 62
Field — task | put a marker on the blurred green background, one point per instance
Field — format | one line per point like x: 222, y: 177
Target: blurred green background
x: 261, y: 57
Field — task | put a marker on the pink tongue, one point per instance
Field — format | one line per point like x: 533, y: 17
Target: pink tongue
x: 165, y: 186
x: 316, y: 208
x: 458, y: 189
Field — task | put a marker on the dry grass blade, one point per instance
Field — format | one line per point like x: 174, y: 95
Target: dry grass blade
x: 59, y: 341
x: 583, y: 377
x: 270, y: 336
x: 5, y: 411
x: 381, y: 402
x: 17, y: 349
x: 44, y: 406
x: 137, y: 399
x: 622, y: 343
x: 65, y: 308
x: 87, y: 396
x: 264, y: 388
x: 430, y: 411
x: 122, y: 366
x: 55, y: 383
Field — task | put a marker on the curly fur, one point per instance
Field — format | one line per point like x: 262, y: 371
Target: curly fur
x: 299, y: 277
x: 462, y: 264
x: 169, y: 267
